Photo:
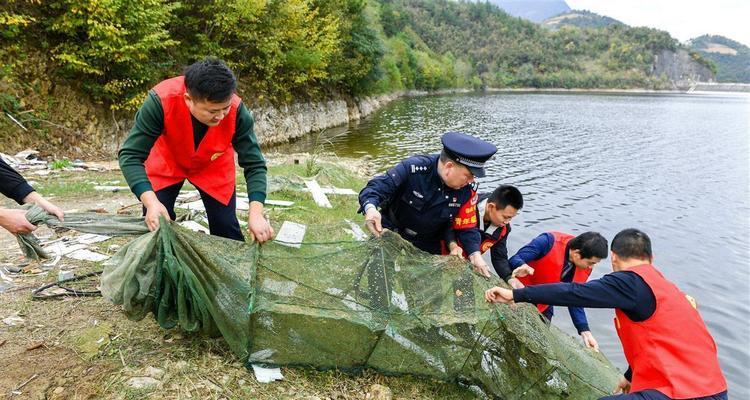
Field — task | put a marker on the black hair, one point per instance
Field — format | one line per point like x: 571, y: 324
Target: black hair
x: 632, y: 243
x: 506, y: 195
x: 210, y: 80
x: 590, y: 244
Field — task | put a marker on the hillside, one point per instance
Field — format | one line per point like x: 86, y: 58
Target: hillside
x: 580, y: 19
x: 72, y: 72
x: 732, y: 58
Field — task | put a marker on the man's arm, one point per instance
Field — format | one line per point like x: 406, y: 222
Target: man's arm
x: 610, y: 291
x: 12, y: 184
x: 499, y: 257
x: 534, y: 250
x: 379, y: 192
x: 249, y: 156
x: 149, y: 123
x: 253, y: 164
x: 578, y: 316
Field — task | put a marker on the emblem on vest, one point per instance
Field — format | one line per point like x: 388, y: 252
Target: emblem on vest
x: 216, y: 155
x: 420, y: 195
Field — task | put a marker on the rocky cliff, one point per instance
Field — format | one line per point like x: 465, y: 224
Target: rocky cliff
x: 680, y: 69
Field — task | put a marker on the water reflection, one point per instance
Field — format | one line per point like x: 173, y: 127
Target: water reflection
x: 675, y: 166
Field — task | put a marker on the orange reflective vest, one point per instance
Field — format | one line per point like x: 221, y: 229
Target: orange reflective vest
x: 549, y: 268
x: 174, y: 157
x: 672, y: 351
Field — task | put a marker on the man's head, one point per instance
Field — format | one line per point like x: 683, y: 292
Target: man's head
x: 210, y: 85
x: 454, y: 174
x: 630, y: 247
x: 587, y: 249
x: 503, y: 204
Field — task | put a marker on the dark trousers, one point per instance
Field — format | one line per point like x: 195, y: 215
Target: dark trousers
x: 222, y: 219
x: 655, y: 395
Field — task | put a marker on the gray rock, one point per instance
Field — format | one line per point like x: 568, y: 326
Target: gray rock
x: 144, y: 382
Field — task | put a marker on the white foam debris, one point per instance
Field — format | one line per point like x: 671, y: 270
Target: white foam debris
x: 267, y: 375
x: 320, y: 198
x: 291, y: 234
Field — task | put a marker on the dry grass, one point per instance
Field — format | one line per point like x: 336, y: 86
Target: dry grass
x: 89, y: 349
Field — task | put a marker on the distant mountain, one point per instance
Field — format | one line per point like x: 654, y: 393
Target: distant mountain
x: 533, y: 10
x: 732, y: 58
x: 580, y: 19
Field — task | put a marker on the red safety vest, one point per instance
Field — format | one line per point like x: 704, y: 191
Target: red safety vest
x: 549, y: 268
x: 672, y: 351
x: 174, y: 157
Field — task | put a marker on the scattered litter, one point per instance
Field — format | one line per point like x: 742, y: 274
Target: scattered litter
x: 281, y: 203
x: 63, y: 275
x: 188, y: 195
x: 91, y: 238
x: 193, y: 205
x: 13, y: 320
x: 356, y: 231
x: 320, y: 198
x: 267, y: 375
x: 335, y: 190
x: 87, y: 255
x: 114, y: 189
x: 291, y: 234
x: 27, y: 154
x: 194, y: 226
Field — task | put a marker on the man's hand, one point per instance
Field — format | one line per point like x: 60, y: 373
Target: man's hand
x: 154, y: 210
x: 373, y: 221
x: 456, y: 250
x: 589, y: 341
x: 515, y: 283
x: 480, y: 266
x: 498, y: 295
x: 257, y: 224
x: 52, y: 209
x: 623, y: 386
x: 522, y: 271
x: 15, y: 221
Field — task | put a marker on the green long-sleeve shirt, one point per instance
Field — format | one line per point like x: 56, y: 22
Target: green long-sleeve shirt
x: 149, y: 124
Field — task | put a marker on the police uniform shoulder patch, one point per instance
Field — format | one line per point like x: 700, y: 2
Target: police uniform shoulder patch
x: 419, y: 169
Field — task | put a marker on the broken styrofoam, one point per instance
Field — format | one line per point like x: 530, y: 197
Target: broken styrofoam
x: 13, y: 320
x: 267, y: 375
x: 291, y: 234
x: 91, y: 238
x: 335, y: 190
x: 193, y: 205
x: 195, y: 227
x: 320, y: 198
x: 87, y: 255
x: 356, y: 231
x: 281, y: 203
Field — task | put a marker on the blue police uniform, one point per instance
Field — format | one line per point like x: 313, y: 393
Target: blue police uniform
x: 417, y: 204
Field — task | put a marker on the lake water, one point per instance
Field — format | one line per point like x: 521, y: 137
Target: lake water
x: 674, y: 166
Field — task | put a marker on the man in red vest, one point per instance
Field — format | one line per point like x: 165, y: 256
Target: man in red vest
x: 671, y: 354
x: 559, y: 257
x: 190, y: 127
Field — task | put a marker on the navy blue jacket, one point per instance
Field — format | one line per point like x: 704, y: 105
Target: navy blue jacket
x: 536, y: 249
x: 416, y: 203
x: 12, y: 184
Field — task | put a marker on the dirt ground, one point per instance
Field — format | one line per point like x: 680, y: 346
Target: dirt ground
x: 85, y: 348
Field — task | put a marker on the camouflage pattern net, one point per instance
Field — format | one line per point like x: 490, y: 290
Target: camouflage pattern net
x: 340, y: 303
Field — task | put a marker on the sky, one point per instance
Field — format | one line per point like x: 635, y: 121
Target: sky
x: 683, y: 19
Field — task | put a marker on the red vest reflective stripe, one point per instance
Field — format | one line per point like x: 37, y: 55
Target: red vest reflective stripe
x: 174, y: 157
x: 672, y: 351
x: 489, y: 241
x: 549, y: 268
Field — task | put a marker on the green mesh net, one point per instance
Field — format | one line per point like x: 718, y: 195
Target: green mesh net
x: 347, y: 304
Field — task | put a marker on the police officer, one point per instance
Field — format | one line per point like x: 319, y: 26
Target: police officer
x: 422, y: 196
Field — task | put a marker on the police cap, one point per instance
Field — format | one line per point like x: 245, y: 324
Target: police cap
x: 468, y: 150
